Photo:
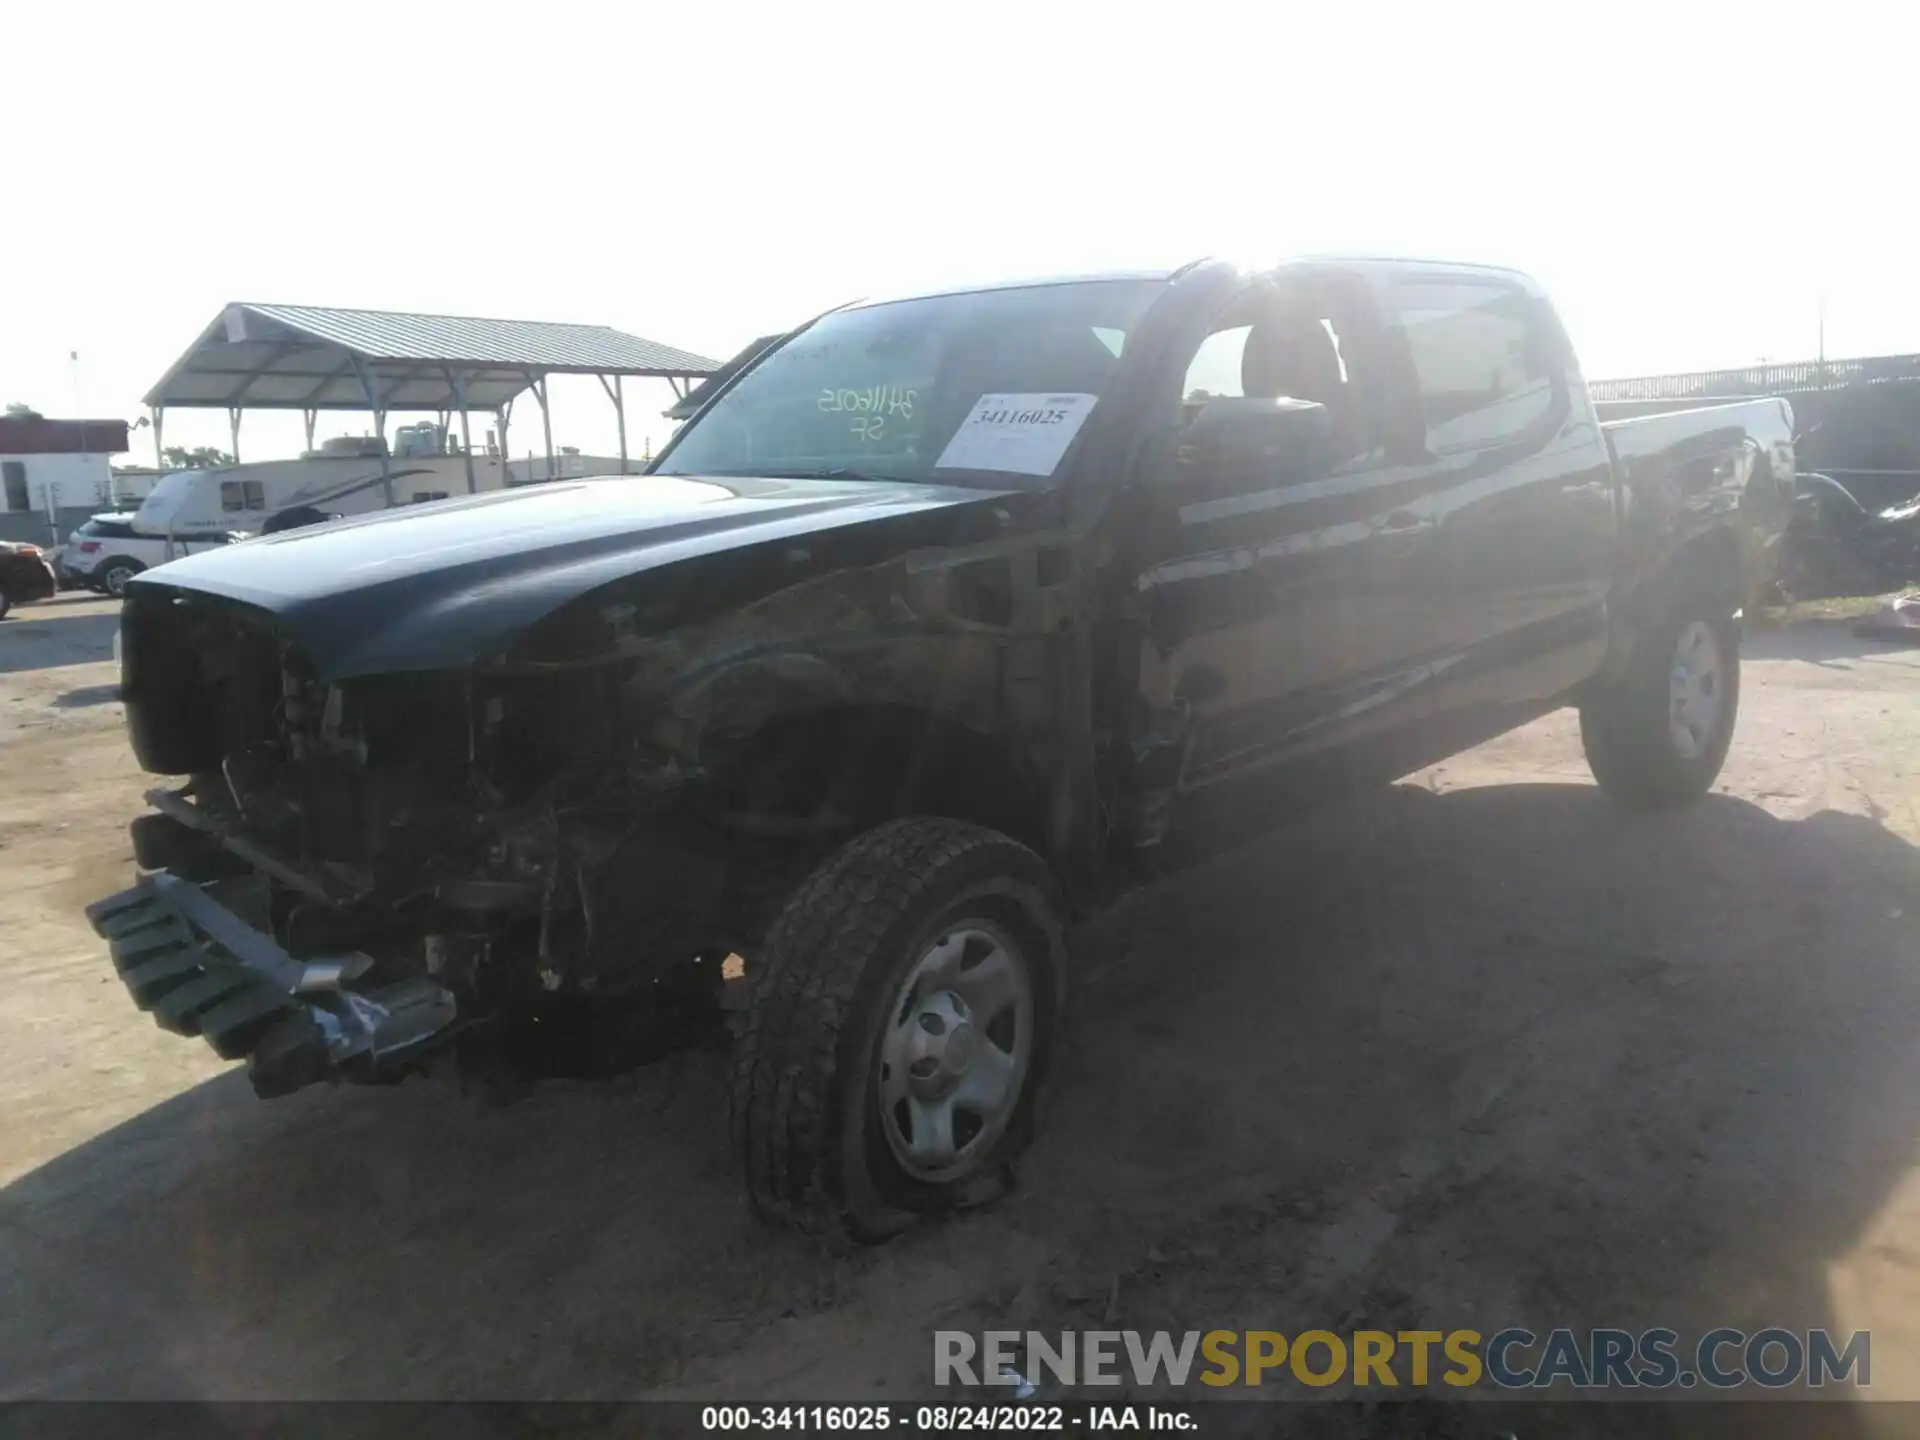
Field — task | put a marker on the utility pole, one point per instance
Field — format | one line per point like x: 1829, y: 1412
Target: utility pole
x: 1823, y: 342
x: 80, y: 418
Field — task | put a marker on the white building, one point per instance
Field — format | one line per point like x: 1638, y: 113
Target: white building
x: 55, y: 473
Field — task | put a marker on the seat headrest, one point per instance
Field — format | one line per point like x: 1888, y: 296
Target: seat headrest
x: 1294, y: 357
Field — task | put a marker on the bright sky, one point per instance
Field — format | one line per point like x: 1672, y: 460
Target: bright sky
x: 1689, y: 179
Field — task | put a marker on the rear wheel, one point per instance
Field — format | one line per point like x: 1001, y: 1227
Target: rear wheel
x: 897, y: 1029
x: 6, y: 604
x: 1658, y: 736
x: 114, y: 577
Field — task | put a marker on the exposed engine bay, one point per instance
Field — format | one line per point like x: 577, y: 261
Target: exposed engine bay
x: 502, y: 846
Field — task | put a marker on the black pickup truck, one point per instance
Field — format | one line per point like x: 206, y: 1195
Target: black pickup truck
x: 942, y: 621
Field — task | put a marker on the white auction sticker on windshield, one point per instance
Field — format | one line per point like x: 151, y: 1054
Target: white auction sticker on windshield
x: 1024, y: 434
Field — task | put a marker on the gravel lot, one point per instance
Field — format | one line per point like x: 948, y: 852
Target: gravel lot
x: 1478, y: 1051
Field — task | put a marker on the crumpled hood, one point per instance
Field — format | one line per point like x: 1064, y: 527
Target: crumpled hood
x: 440, y: 585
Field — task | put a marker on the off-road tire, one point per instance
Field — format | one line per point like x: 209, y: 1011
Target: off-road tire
x: 801, y: 1095
x: 124, y: 570
x: 1625, y: 725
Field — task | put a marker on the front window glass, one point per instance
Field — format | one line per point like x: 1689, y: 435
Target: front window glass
x: 880, y: 391
x: 1215, y: 371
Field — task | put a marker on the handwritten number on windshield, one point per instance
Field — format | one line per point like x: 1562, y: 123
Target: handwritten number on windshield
x: 870, y: 408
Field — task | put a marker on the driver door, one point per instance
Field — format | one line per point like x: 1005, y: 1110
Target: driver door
x: 1285, y: 618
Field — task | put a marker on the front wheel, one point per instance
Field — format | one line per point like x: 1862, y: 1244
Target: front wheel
x: 897, y: 1029
x: 1658, y: 736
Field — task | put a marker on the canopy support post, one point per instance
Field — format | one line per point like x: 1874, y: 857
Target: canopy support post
x: 234, y: 412
x: 312, y: 417
x: 159, y: 414
x: 546, y: 416
x: 386, y: 457
x: 466, y: 448
x: 458, y: 385
x: 546, y: 424
x: 619, y: 414
x: 378, y: 406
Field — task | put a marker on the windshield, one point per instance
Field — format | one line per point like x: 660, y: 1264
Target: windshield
x: 990, y: 386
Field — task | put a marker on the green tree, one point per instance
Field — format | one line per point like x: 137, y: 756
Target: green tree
x: 17, y: 411
x: 200, y: 457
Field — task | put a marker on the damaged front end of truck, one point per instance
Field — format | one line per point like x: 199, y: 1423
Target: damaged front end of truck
x: 362, y: 863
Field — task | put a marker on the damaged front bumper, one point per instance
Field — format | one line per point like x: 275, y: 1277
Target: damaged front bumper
x: 203, y: 970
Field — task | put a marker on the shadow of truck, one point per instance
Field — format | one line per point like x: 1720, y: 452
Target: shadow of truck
x: 1499, y: 1056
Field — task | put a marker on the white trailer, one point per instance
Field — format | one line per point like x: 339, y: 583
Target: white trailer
x: 246, y: 497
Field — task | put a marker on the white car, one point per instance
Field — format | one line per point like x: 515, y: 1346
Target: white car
x: 108, y: 551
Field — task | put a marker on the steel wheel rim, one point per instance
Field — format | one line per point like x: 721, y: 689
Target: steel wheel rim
x: 955, y: 1050
x: 1696, y: 690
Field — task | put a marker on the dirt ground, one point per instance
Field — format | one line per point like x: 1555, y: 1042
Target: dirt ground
x: 1476, y: 1051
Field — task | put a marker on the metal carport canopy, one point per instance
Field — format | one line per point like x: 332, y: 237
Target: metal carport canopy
x: 302, y: 357
x: 308, y: 358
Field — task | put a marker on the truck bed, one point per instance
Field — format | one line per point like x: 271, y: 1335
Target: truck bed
x: 1688, y: 435
x: 1678, y: 468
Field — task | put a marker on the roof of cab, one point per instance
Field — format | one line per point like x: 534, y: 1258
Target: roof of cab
x: 1029, y: 282
x: 1413, y: 262
x: 1425, y: 262
x: 1174, y: 272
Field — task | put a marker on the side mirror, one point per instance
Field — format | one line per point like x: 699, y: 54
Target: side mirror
x: 1251, y: 444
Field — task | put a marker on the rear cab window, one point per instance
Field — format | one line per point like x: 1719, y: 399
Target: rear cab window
x: 1482, y: 352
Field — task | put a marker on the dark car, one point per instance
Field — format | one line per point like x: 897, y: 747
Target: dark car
x: 941, y: 623
x: 25, y: 576
x: 1838, y: 546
